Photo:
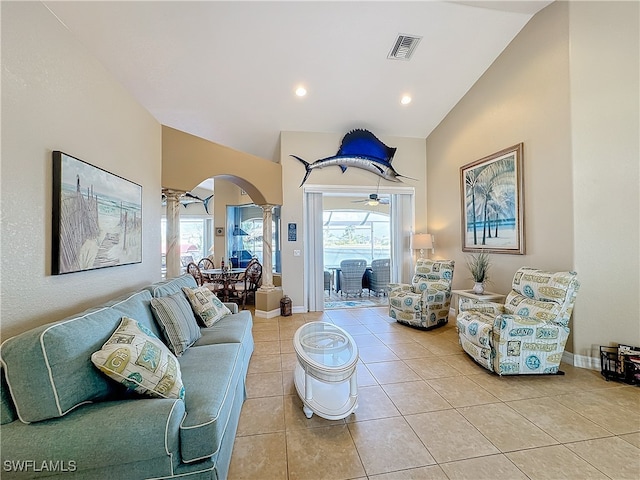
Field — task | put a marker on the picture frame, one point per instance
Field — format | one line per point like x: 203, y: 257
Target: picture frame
x: 97, y: 217
x: 219, y: 231
x: 492, y: 203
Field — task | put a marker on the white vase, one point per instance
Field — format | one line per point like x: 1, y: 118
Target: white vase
x: 478, y: 288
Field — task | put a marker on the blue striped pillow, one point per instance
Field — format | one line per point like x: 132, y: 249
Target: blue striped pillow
x: 175, y: 316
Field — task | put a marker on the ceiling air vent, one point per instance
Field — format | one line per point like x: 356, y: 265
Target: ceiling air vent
x: 404, y: 47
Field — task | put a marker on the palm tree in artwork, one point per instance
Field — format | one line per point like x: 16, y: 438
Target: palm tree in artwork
x: 493, y: 184
x: 471, y: 180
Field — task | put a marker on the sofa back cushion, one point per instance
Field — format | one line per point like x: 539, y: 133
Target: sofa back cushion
x: 544, y: 295
x: 171, y: 286
x: 49, y: 370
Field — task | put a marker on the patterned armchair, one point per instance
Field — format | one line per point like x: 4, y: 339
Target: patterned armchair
x: 527, y: 334
x: 351, y: 272
x: 380, y: 276
x: 424, y: 303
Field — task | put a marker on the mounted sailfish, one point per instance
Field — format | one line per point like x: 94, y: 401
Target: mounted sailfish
x: 359, y: 149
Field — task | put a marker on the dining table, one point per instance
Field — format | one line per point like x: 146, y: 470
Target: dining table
x: 225, y: 277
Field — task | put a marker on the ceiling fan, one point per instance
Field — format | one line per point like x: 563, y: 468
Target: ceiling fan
x: 373, y: 200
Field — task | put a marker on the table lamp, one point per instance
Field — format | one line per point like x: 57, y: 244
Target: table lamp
x: 422, y: 241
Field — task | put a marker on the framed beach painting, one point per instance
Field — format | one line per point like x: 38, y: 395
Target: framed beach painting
x: 97, y: 217
x: 493, y: 203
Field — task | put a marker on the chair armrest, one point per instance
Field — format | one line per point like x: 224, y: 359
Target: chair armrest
x: 400, y: 287
x: 504, y: 324
x: 525, y: 344
x: 469, y: 304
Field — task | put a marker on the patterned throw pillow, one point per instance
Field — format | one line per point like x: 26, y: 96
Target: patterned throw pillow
x: 207, y: 307
x: 138, y: 359
x: 176, y: 319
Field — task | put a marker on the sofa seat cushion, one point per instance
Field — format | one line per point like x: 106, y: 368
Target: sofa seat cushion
x: 99, y: 435
x: 234, y: 328
x: 211, y: 374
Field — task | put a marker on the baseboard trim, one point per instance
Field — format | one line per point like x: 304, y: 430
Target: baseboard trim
x: 269, y: 314
x: 583, y: 361
x: 299, y: 310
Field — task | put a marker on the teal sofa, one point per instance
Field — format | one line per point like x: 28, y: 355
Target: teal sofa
x: 61, y: 416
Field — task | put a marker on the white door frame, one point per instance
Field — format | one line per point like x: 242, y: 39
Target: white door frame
x: 310, y: 252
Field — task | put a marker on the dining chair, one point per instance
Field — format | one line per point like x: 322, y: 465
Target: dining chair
x: 250, y: 282
x: 206, y: 263
x: 194, y: 271
x: 202, y: 280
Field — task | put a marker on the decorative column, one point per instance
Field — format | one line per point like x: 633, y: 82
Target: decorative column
x: 267, y: 235
x: 267, y: 296
x: 172, y: 258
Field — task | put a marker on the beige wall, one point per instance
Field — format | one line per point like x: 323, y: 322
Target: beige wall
x: 187, y: 160
x: 408, y: 160
x: 56, y: 97
x: 531, y: 95
x: 605, y: 100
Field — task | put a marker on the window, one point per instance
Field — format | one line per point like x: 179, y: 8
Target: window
x: 245, y: 242
x: 196, y: 238
x: 355, y: 234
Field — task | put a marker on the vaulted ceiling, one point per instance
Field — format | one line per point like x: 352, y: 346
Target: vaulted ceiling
x: 227, y: 71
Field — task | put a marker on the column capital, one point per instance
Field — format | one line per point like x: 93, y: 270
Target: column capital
x: 267, y: 207
x: 171, y: 193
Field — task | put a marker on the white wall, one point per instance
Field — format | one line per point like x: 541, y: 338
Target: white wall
x: 55, y: 96
x: 410, y: 159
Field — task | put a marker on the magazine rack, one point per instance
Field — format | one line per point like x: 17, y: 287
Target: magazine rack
x: 621, y: 363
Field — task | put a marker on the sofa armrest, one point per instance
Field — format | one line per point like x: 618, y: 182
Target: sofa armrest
x: 232, y: 306
x: 96, y: 435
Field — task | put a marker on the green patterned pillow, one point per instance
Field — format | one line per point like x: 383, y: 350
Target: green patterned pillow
x: 176, y: 319
x: 138, y: 359
x: 207, y: 307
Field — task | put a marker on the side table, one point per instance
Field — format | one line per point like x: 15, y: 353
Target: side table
x: 483, y: 297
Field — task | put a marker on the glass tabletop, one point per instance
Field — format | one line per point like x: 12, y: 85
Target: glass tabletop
x: 326, y: 344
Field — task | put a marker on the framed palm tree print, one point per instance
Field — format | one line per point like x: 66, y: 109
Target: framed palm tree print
x: 493, y: 203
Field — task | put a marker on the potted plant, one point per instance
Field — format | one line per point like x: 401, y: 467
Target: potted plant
x: 479, y: 267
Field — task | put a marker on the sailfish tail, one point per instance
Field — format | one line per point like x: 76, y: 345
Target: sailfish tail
x: 307, y: 166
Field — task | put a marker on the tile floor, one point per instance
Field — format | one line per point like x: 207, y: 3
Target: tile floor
x: 427, y: 411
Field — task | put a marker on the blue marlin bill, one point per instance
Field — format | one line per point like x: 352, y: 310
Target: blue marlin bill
x: 359, y: 149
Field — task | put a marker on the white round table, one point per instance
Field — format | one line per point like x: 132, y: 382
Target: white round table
x: 325, y: 376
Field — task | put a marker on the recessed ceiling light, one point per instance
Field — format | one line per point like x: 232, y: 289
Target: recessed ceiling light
x: 301, y: 91
x: 405, y: 100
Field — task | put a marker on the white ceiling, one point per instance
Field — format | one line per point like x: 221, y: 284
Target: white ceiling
x: 227, y: 71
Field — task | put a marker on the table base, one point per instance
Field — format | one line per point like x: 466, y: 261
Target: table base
x: 332, y: 401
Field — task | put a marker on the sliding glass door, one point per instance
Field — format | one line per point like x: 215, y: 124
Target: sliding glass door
x: 349, y: 226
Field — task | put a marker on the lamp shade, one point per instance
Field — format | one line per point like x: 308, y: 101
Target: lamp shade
x: 422, y: 241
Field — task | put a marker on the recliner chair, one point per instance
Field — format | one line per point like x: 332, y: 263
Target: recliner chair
x: 424, y: 303
x: 526, y: 334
